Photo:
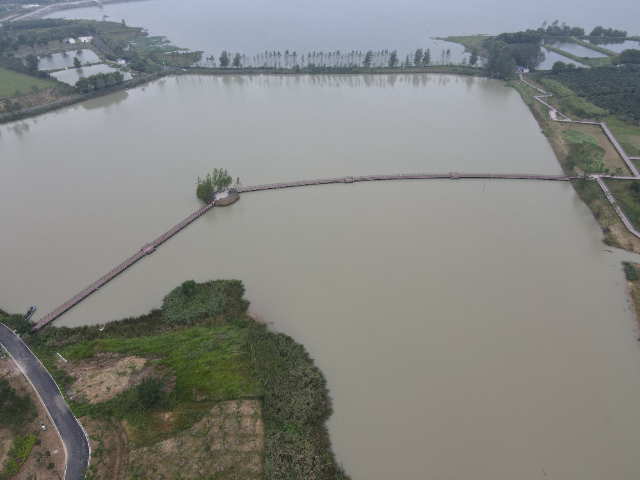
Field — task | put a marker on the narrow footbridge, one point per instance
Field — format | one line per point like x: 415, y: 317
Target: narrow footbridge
x: 409, y: 176
x: 150, y: 247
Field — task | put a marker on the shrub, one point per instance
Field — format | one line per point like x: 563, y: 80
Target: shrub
x: 631, y: 272
x: 150, y: 390
x: 222, y: 297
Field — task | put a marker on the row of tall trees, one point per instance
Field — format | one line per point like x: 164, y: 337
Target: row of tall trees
x: 370, y: 59
x: 556, y: 29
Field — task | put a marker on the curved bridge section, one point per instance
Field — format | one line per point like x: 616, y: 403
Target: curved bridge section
x: 150, y: 247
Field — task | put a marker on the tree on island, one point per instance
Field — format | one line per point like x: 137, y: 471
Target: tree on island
x: 224, y: 59
x: 214, y: 182
x: 76, y: 62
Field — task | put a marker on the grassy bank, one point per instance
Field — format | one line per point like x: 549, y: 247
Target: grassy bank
x: 614, y: 231
x: 168, y: 377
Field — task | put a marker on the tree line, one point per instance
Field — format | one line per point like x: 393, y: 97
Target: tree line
x: 358, y: 59
x: 99, y: 81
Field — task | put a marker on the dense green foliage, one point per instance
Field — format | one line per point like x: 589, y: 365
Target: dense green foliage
x: 15, y: 322
x: 296, y: 407
x: 630, y: 55
x: 627, y: 195
x: 616, y: 89
x: 499, y: 62
x: 216, y: 181
x: 18, y: 454
x: 607, y: 32
x: 222, y: 297
x: 569, y: 100
x: 99, y: 81
x: 530, y: 36
x: 150, y: 390
x: 631, y: 272
x: 15, y: 411
x: 584, y: 152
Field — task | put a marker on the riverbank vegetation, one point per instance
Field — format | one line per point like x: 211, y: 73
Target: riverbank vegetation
x: 615, y: 90
x: 615, y: 233
x: 194, y: 367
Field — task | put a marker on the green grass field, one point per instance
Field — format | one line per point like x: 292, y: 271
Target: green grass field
x: 12, y: 83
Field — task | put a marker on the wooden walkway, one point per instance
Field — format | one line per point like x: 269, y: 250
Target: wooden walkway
x: 148, y: 248
x: 410, y: 176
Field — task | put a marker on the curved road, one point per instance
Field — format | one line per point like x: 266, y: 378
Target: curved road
x: 73, y: 436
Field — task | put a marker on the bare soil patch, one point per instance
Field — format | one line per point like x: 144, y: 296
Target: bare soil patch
x: 107, y: 448
x: 50, y: 448
x: 227, y: 443
x: 107, y: 374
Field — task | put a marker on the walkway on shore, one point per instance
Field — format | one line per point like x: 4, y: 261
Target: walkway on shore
x: 73, y: 436
x: 553, y: 113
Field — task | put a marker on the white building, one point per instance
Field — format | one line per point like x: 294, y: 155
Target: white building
x: 86, y: 39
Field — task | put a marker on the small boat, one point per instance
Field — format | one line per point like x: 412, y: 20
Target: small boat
x: 29, y: 313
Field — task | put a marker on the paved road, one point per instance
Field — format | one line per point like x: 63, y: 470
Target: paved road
x: 73, y: 436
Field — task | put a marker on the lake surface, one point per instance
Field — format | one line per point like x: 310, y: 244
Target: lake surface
x: 72, y: 75
x: 306, y: 26
x: 59, y: 60
x: 615, y: 45
x: 467, y: 329
x: 572, y: 47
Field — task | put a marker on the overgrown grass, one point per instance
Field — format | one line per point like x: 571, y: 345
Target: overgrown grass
x: 470, y: 42
x: 296, y: 406
x: 14, y: 84
x: 627, y: 195
x: 568, y: 100
x: 224, y: 356
x: 15, y: 411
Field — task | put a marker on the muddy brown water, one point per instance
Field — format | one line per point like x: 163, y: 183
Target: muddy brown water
x: 466, y: 329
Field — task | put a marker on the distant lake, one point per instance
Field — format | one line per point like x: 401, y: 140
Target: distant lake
x: 305, y: 26
x: 615, y: 45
